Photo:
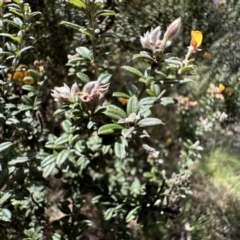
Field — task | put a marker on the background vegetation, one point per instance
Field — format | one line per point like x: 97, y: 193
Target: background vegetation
x: 76, y: 170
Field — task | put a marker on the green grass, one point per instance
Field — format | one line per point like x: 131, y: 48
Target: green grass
x: 222, y: 169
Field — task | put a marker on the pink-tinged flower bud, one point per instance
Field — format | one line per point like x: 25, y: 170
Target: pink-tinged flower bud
x: 93, y: 94
x: 171, y: 32
x: 36, y: 63
x: 65, y: 94
x: 39, y: 65
x: 173, y: 29
x: 150, y: 39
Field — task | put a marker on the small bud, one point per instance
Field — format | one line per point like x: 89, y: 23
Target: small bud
x: 37, y: 63
x: 40, y: 65
x: 171, y: 32
x: 173, y: 29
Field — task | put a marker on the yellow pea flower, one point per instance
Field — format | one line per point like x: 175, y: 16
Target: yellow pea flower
x: 196, y: 40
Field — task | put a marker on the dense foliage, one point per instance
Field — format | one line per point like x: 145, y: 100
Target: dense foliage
x: 114, y: 157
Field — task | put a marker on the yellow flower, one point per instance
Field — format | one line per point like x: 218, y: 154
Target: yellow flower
x: 196, y: 40
x: 21, y: 74
x: 221, y: 87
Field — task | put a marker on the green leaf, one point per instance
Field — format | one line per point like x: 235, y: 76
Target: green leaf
x: 77, y: 3
x: 80, y: 146
x: 52, y: 145
x: 21, y: 108
x: 59, y: 111
x: 145, y: 111
x: 105, y: 13
x: 143, y: 55
x: 95, y: 6
x: 5, y: 197
x: 89, y: 32
x: 73, y: 25
x: 185, y: 80
x: 121, y: 94
x: 151, y: 93
x: 120, y: 148
x: 27, y: 100
x: 11, y: 23
x: 29, y: 88
x: 149, y: 122
x: 148, y: 100
x: 18, y: 160
x: 148, y: 175
x: 115, y: 112
x: 85, y: 53
x: 131, y: 89
x: 174, y: 62
x: 62, y: 157
x: 162, y: 74
x: 25, y: 49
x: 104, y: 78
x: 33, y: 14
x: 133, y: 71
x: 166, y: 100
x: 5, y: 215
x: 48, y: 164
x: 109, y: 129
x: 132, y: 105
x: 18, y: 21
x: 5, y: 145
x: 108, y: 213
x: 132, y: 214
x: 156, y: 89
x: 62, y: 139
x: 84, y: 77
x: 17, y: 12
x: 66, y: 125
x: 127, y: 132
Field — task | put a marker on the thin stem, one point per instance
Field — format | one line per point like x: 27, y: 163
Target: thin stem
x: 93, y: 40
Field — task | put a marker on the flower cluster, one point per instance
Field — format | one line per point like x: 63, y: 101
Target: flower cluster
x: 151, y: 39
x: 216, y: 91
x: 92, y: 94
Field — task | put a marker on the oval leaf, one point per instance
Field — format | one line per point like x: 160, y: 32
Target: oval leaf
x: 82, y: 76
x: 62, y: 157
x: 77, y: 3
x: 18, y: 160
x: 119, y: 148
x: 147, y: 122
x: 4, y: 146
x: 132, y: 105
x: 133, y: 71
x: 109, y: 129
x: 115, y: 112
